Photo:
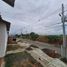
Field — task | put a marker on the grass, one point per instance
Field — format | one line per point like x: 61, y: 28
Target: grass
x: 13, y: 47
x: 22, y: 59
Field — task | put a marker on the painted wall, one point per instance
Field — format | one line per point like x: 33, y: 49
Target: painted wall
x: 3, y: 39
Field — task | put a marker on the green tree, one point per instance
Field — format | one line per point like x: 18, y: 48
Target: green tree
x: 33, y: 36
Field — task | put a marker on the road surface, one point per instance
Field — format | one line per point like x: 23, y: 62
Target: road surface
x: 42, y: 45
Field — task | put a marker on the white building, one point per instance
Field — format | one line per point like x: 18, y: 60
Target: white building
x: 4, y: 30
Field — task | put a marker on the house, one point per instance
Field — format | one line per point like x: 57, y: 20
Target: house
x: 10, y: 2
x: 4, y: 31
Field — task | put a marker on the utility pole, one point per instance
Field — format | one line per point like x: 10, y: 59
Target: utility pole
x: 63, y: 47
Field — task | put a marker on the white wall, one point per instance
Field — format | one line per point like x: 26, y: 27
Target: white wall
x: 3, y: 39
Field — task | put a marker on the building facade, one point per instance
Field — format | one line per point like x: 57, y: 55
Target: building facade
x: 4, y: 31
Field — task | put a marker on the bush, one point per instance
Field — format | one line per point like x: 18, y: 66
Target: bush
x: 33, y: 36
x: 21, y: 59
x: 64, y: 60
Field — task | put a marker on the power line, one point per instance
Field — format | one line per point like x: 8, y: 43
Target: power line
x: 49, y: 15
x: 52, y: 30
x: 53, y: 25
x: 48, y: 28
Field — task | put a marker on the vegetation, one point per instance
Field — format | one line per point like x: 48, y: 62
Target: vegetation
x: 22, y: 59
x: 31, y: 36
x: 53, y: 39
x: 64, y: 60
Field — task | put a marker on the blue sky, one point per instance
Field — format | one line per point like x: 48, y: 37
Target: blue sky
x: 40, y: 16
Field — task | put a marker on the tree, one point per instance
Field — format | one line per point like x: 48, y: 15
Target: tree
x: 33, y: 36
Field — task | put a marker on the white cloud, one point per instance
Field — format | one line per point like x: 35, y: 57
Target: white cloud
x: 34, y: 15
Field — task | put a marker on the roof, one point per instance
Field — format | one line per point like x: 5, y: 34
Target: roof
x: 10, y: 2
x: 7, y: 23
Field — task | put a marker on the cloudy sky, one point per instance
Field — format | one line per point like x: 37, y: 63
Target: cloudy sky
x: 40, y: 16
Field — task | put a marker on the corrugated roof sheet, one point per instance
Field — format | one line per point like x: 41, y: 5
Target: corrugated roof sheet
x: 10, y: 2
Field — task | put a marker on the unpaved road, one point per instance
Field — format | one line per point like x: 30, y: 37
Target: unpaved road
x: 42, y: 45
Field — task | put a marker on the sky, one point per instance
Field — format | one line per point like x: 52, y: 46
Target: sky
x: 39, y: 16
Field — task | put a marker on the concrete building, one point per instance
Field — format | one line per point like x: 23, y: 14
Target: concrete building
x: 4, y: 31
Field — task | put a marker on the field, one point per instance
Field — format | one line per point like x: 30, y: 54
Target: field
x: 52, y: 39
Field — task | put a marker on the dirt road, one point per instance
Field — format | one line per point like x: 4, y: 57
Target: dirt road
x: 42, y: 45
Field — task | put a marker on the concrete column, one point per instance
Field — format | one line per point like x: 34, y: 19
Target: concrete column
x: 62, y: 51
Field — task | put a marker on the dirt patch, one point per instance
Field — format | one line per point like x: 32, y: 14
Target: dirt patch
x: 51, y: 53
x: 13, y: 47
x: 33, y: 46
x: 29, y: 48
